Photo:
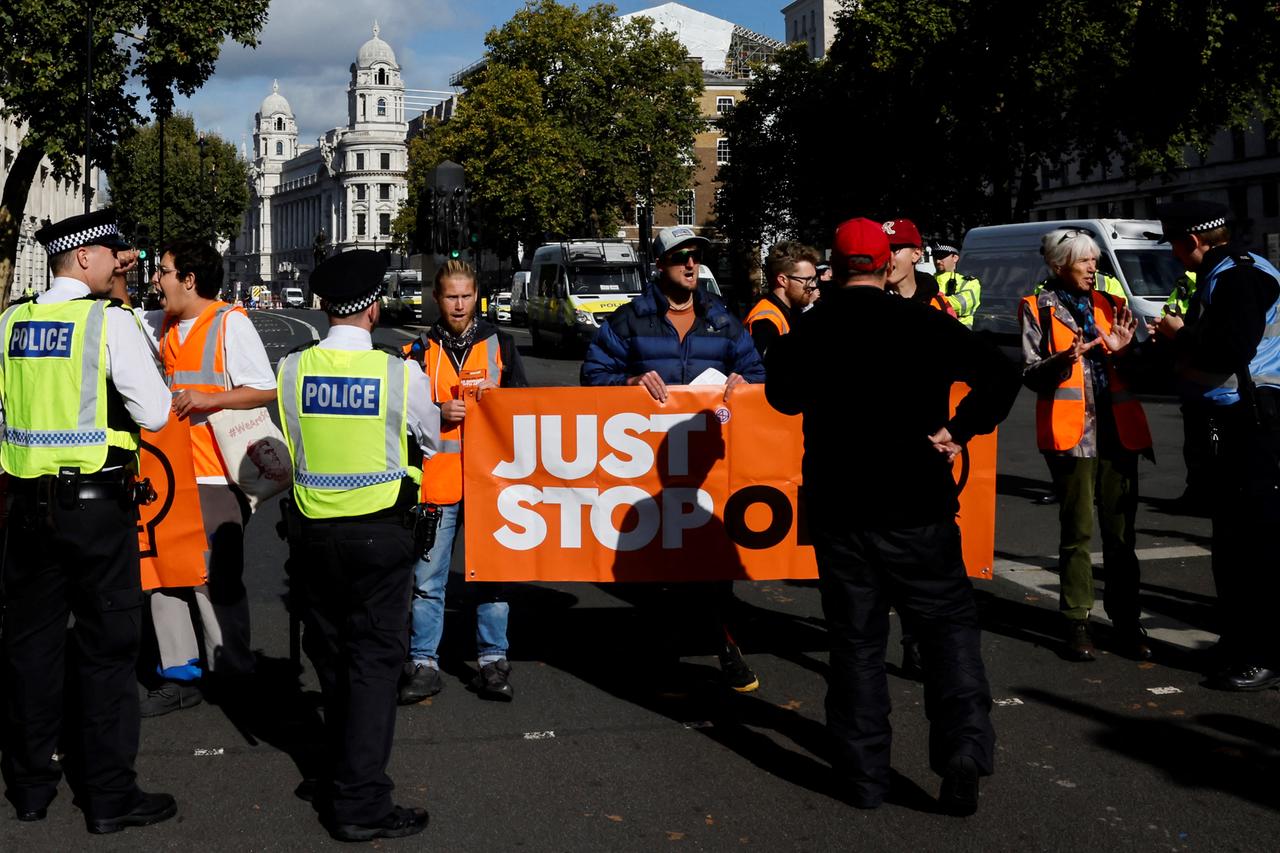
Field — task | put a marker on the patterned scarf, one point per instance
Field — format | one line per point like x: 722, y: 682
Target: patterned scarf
x: 1080, y: 306
x: 457, y: 345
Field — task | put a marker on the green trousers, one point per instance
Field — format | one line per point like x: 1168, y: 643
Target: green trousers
x: 1112, y: 483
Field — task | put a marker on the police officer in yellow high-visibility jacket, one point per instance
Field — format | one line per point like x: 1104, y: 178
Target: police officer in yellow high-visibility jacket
x: 347, y: 409
x: 76, y: 381
x: 963, y: 293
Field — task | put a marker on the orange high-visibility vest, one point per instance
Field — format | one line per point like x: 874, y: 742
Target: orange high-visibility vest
x: 766, y: 310
x: 940, y: 302
x: 197, y: 364
x: 1060, y: 412
x: 442, y: 473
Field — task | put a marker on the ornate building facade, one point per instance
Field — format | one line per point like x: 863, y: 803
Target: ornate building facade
x: 343, y: 192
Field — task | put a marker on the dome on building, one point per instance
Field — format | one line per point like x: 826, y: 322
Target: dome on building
x: 275, y: 102
x: 375, y: 50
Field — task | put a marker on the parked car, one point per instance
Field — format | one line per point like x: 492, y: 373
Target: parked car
x: 502, y: 307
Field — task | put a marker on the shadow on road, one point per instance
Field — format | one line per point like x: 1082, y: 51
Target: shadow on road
x: 1223, y: 752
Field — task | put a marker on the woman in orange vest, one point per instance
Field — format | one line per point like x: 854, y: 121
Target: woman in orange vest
x: 1076, y: 341
x: 463, y: 356
x: 213, y: 359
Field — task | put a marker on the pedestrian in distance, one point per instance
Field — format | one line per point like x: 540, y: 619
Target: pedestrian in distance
x: 213, y: 359
x: 672, y: 334
x: 963, y: 293
x: 791, y: 284
x: 463, y: 356
x: 77, y: 380
x: 355, y: 529
x: 882, y: 505
x: 1077, y: 346
x: 1227, y: 357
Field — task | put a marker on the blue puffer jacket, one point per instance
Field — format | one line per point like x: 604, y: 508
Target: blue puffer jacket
x: 638, y: 338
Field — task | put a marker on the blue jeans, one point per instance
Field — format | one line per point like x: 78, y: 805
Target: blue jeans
x: 430, y: 577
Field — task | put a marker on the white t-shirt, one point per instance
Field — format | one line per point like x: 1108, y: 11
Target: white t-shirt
x: 243, y: 356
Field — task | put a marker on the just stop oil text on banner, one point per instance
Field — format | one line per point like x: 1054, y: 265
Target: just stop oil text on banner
x: 607, y: 484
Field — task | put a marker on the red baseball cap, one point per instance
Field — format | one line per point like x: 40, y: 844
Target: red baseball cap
x: 903, y: 232
x: 860, y: 245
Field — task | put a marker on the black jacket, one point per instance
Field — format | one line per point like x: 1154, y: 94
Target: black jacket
x: 1224, y: 338
x: 872, y: 375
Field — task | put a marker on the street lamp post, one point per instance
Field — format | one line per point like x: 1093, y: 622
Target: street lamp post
x: 204, y: 191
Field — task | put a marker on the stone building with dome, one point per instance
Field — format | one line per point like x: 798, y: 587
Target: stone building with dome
x: 343, y: 191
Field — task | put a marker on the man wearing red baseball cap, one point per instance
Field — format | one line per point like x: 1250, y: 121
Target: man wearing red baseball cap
x: 904, y: 279
x: 882, y: 504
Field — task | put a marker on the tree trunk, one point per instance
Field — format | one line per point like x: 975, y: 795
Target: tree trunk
x: 12, y: 204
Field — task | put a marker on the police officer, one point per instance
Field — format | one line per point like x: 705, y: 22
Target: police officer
x: 346, y: 408
x: 1227, y: 356
x: 962, y: 292
x: 882, y: 505
x: 76, y: 381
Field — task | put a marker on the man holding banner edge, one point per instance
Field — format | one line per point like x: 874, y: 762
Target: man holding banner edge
x: 671, y: 335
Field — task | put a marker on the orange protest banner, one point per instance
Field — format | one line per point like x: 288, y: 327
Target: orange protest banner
x: 171, y: 540
x: 606, y: 484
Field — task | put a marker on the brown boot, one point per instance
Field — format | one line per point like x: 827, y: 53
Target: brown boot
x: 1078, y: 645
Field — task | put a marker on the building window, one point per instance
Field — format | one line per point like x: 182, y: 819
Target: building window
x: 1238, y: 201
x: 384, y: 192
x: 382, y: 106
x: 279, y: 149
x: 1237, y: 144
x: 384, y: 224
x: 360, y: 160
x: 359, y: 224
x: 359, y: 192
x: 722, y: 150
x: 1127, y: 209
x: 724, y: 105
x: 386, y: 159
x: 1270, y: 199
x: 382, y: 76
x: 363, y: 111
x: 687, y: 209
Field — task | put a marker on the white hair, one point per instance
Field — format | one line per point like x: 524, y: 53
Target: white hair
x: 1062, y: 247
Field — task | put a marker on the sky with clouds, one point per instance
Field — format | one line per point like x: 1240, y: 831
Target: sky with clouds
x: 309, y: 45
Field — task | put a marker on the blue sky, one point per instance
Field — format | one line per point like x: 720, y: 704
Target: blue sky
x: 309, y: 45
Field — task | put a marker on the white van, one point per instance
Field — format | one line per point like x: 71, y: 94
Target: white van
x: 520, y: 298
x: 1006, y: 260
x: 576, y: 285
x: 293, y: 297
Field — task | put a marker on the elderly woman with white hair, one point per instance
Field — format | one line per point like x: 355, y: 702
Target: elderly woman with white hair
x: 1075, y: 340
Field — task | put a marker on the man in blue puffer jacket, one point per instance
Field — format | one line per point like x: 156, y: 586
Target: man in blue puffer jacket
x: 670, y: 335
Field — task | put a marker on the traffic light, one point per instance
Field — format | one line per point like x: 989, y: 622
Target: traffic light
x: 426, y: 230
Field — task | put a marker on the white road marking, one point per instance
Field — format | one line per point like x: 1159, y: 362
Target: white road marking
x: 1038, y: 579
x: 315, y: 333
x: 200, y: 752
x: 539, y: 735
x: 1164, y: 691
x: 1007, y: 702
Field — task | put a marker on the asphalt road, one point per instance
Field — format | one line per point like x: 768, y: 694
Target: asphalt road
x: 1105, y: 756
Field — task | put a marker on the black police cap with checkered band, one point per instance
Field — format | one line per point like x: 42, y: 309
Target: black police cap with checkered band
x: 1193, y: 216
x: 349, y: 282
x: 88, y: 229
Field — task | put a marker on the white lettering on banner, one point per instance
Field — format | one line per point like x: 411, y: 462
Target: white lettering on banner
x: 617, y: 436
x: 671, y: 516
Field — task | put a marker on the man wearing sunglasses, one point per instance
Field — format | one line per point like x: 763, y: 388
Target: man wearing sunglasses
x: 791, y: 282
x: 670, y: 335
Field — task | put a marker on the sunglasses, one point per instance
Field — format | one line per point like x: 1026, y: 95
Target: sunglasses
x: 682, y: 256
x: 1074, y: 232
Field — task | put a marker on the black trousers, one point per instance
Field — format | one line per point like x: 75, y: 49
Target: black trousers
x: 352, y: 580
x: 1245, y: 489
x: 920, y: 571
x: 81, y: 561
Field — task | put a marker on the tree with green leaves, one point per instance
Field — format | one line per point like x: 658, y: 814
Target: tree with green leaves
x: 205, y: 191
x: 165, y: 46
x: 945, y: 111
x: 574, y: 117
